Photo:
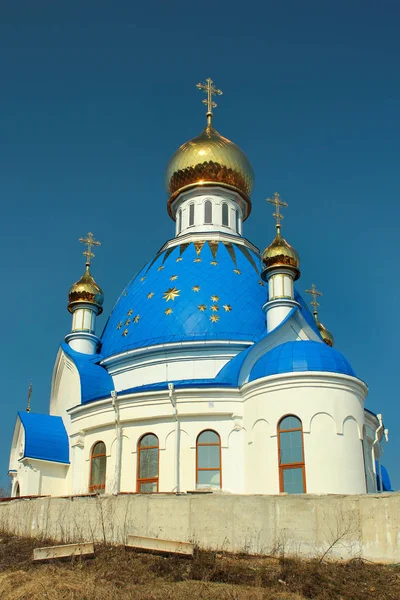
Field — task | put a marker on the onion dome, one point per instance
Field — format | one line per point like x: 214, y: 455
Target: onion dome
x: 280, y: 254
x: 325, y: 334
x: 209, y: 159
x: 86, y: 291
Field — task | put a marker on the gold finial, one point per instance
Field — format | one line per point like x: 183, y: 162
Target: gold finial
x: 314, y: 293
x: 276, y: 200
x: 89, y: 241
x: 210, y: 90
x: 28, y: 405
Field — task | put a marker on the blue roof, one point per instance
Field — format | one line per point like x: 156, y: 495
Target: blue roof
x: 95, y: 380
x: 301, y: 356
x: 193, y: 291
x: 45, y: 437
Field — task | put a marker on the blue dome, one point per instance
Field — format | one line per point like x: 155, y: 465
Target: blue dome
x: 301, y: 356
x: 193, y: 291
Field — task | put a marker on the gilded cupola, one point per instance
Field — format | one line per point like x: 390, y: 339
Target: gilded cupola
x: 209, y: 159
x: 86, y: 290
x: 280, y: 254
x: 324, y: 333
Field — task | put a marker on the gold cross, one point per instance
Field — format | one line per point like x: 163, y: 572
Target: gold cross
x: 276, y: 200
x: 28, y: 407
x: 89, y: 241
x: 211, y: 91
x: 314, y: 293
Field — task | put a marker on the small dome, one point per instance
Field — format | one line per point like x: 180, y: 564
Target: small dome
x: 86, y: 290
x: 325, y: 334
x: 208, y: 159
x: 281, y: 254
x: 301, y: 356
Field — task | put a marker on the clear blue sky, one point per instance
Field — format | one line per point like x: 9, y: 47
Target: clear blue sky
x: 96, y: 96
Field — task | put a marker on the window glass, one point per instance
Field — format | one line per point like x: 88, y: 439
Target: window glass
x: 237, y: 220
x: 208, y: 457
x: 209, y: 478
x: 208, y: 437
x: 291, y: 447
x: 148, y: 459
x: 148, y: 463
x: 191, y: 214
x: 99, y: 448
x: 207, y: 212
x: 179, y: 221
x: 293, y: 481
x: 225, y: 216
x: 98, y: 470
x: 290, y: 423
x: 148, y: 488
x: 149, y: 440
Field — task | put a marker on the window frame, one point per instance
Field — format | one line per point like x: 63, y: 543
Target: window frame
x: 225, y: 208
x: 294, y: 465
x: 179, y: 228
x: 97, y: 488
x: 142, y: 480
x: 220, y: 457
x: 191, y: 214
x: 237, y: 221
x: 206, y: 203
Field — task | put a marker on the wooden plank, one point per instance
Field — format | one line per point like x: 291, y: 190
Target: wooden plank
x: 149, y: 544
x: 64, y: 551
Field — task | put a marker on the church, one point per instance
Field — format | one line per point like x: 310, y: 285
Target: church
x: 212, y: 375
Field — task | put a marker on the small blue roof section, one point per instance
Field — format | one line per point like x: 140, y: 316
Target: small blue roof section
x: 300, y: 356
x: 386, y: 484
x: 191, y: 292
x: 95, y: 380
x: 45, y: 437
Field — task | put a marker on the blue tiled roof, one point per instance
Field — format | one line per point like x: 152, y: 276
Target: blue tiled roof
x: 45, y: 437
x: 301, y: 356
x: 196, y: 291
x: 95, y: 380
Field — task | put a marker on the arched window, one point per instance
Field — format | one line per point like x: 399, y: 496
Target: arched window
x: 237, y: 220
x: 225, y: 214
x: 148, y: 458
x: 191, y: 215
x: 292, y: 477
x: 179, y: 220
x: 98, y: 464
x: 208, y: 459
x: 207, y: 212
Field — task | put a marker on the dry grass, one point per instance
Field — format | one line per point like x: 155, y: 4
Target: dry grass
x: 116, y: 573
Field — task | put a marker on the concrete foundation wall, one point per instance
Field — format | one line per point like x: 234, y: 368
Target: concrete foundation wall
x: 366, y: 526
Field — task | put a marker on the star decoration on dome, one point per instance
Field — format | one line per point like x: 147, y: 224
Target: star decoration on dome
x: 214, y: 307
x: 173, y: 278
x: 127, y: 322
x: 214, y: 298
x: 150, y: 295
x: 136, y: 319
x: 160, y: 268
x: 214, y: 318
x: 119, y: 325
x: 125, y: 332
x: 168, y: 311
x: 171, y: 294
x: 261, y: 283
x: 214, y: 263
x: 197, y: 260
x: 202, y: 307
x: 227, y: 307
x: 196, y: 288
x: 143, y: 278
x: 179, y: 259
x: 129, y: 312
x: 237, y: 271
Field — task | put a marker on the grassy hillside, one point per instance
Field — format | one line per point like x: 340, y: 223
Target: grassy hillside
x: 120, y: 574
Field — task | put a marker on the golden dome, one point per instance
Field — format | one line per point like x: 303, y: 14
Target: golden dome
x: 86, y: 290
x: 325, y: 334
x: 209, y: 159
x: 281, y: 254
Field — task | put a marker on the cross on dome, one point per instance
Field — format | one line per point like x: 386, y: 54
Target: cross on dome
x: 276, y: 200
x: 89, y: 241
x: 315, y: 294
x: 211, y: 91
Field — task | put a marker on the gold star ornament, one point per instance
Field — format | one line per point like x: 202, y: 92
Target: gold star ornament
x: 171, y: 294
x: 150, y: 295
x: 227, y: 307
x: 202, y: 307
x: 196, y: 288
x: 168, y: 311
x: 214, y: 318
